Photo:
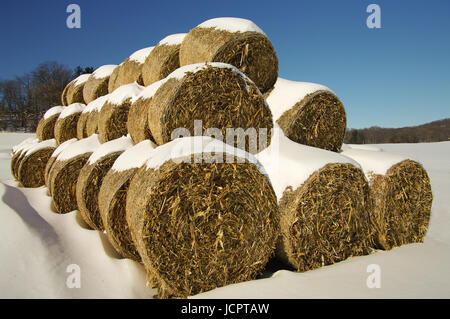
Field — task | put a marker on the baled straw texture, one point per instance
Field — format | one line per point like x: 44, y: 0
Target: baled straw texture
x: 401, y: 197
x: 32, y: 166
x: 64, y: 93
x: 245, y: 47
x: 75, y: 91
x: 97, y: 83
x: 163, y: 59
x: 113, y: 116
x: 323, y: 200
x: 91, y: 178
x: 113, y: 194
x: 309, y: 114
x: 17, y: 155
x: 52, y: 160
x: 129, y: 71
x: 201, y: 225
x: 218, y: 95
x: 64, y: 173
x: 46, y: 127
x: 67, y: 122
x: 88, y: 122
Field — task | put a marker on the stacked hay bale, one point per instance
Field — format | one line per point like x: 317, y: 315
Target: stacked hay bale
x: 163, y: 59
x: 235, y: 41
x: 199, y: 222
x: 32, y: 165
x: 66, y: 124
x: 113, y: 194
x: 63, y: 176
x: 323, y: 198
x: 401, y: 197
x: 64, y: 93
x: 97, y: 83
x: 88, y: 121
x: 91, y: 178
x: 18, y: 152
x: 113, y: 116
x: 74, y: 93
x: 46, y: 126
x: 230, y: 100
x: 130, y: 70
x: 52, y: 161
x: 309, y: 113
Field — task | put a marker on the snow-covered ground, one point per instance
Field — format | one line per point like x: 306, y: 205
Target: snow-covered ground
x: 38, y: 249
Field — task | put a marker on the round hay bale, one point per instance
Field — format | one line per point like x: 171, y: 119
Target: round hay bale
x: 64, y: 93
x: 17, y: 155
x: 32, y: 166
x: 309, y: 114
x: 199, y: 222
x: 75, y: 91
x: 113, y: 194
x: 137, y: 122
x: 52, y: 160
x: 130, y: 70
x: 323, y: 199
x: 91, y: 177
x: 235, y: 41
x: 97, y: 83
x: 163, y: 59
x: 88, y: 122
x: 67, y: 122
x: 401, y: 197
x: 64, y: 173
x: 230, y: 100
x: 46, y: 127
x: 113, y: 116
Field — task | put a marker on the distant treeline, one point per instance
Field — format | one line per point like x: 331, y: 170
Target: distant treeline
x: 430, y: 132
x: 24, y: 100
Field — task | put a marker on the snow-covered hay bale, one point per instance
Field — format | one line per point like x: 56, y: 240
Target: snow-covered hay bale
x: 199, y: 222
x: 32, y: 165
x: 88, y: 121
x: 17, y: 154
x: 401, y: 197
x: 65, y: 171
x: 52, y: 160
x: 234, y: 41
x: 309, y: 114
x: 218, y: 95
x: 64, y: 93
x: 46, y: 127
x: 97, y: 83
x: 91, y: 178
x: 323, y: 199
x: 67, y: 122
x: 137, y: 122
x: 113, y: 116
x: 75, y: 91
x: 130, y: 70
x: 163, y: 59
x: 113, y: 194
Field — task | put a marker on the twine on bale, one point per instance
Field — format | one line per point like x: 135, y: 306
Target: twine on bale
x: 235, y: 41
x: 97, y: 83
x: 401, y: 197
x: 88, y: 121
x: 74, y: 92
x: 67, y: 122
x: 113, y: 194
x: 323, y: 200
x: 91, y: 177
x: 46, y: 127
x: 309, y: 113
x: 199, y: 222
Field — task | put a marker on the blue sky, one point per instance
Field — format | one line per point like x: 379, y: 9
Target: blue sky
x: 395, y: 76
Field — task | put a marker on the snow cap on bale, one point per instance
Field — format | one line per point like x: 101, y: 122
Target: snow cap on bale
x: 74, y: 92
x: 323, y: 199
x: 66, y: 124
x: 309, y: 113
x: 88, y: 121
x: 113, y: 194
x: 198, y: 221
x: 18, y: 154
x: 97, y: 83
x: 65, y: 171
x: 52, y: 160
x: 401, y: 197
x: 91, y: 177
x: 113, y: 116
x: 163, y: 59
x: 32, y: 165
x: 236, y: 41
x: 46, y: 127
x: 130, y: 70
x: 229, y: 104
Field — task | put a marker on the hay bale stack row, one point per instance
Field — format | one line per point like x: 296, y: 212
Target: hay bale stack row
x: 46, y: 126
x: 97, y: 83
x: 401, y: 197
x: 67, y: 122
